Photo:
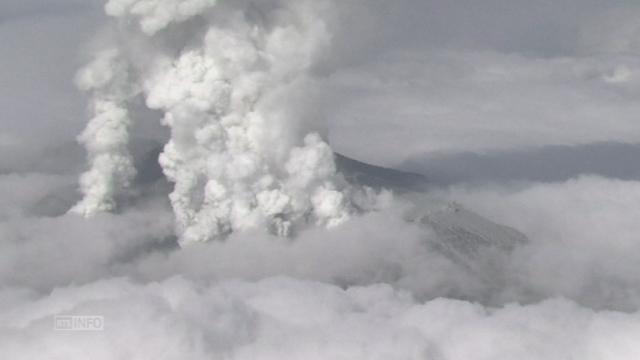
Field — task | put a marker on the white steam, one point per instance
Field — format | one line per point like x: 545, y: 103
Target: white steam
x: 155, y: 15
x: 240, y: 155
x: 106, y: 136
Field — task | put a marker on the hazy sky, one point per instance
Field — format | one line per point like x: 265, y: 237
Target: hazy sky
x: 428, y: 78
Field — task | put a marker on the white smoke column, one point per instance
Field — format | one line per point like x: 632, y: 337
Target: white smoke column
x: 107, y: 135
x: 239, y: 154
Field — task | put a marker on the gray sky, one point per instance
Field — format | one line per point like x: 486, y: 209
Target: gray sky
x: 434, y: 77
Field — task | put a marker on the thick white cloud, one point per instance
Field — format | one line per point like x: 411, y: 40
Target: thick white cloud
x: 286, y: 319
x: 584, y: 236
x: 155, y: 15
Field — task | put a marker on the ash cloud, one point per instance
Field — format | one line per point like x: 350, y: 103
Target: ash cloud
x: 240, y: 155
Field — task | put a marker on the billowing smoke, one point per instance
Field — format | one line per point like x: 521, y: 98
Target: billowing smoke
x: 231, y: 78
x: 107, y: 135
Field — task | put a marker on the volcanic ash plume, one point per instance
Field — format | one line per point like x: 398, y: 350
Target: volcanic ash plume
x: 244, y: 152
x: 106, y: 136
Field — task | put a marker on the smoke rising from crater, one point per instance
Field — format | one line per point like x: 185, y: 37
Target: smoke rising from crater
x: 106, y: 136
x: 233, y: 81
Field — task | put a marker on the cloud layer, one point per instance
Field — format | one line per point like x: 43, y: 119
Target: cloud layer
x: 288, y: 319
